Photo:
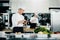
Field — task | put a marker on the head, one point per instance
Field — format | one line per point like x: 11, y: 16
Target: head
x: 35, y: 15
x: 20, y: 11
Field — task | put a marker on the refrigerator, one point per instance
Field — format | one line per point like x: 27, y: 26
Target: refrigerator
x: 55, y: 20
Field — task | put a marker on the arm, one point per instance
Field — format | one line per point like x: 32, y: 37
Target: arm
x: 14, y: 20
x: 22, y: 21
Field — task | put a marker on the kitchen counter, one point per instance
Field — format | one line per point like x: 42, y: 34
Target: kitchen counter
x: 26, y: 29
x: 29, y: 36
x: 32, y: 36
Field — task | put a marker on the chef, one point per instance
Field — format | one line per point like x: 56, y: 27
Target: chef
x: 34, y: 18
x: 18, y: 21
x: 34, y: 21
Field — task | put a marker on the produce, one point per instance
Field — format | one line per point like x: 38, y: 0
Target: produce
x: 42, y: 30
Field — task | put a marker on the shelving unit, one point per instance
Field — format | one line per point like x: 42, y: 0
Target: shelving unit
x: 4, y: 6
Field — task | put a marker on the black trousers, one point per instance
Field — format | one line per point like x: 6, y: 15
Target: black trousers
x: 33, y: 25
x: 18, y: 29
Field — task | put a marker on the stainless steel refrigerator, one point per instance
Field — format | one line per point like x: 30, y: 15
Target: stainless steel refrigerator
x: 55, y: 20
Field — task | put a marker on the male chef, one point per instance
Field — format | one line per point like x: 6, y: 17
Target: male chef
x: 18, y: 21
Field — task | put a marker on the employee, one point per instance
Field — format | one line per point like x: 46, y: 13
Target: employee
x: 18, y: 20
x: 34, y: 19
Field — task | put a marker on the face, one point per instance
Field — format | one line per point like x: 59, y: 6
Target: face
x: 21, y: 11
x: 36, y: 16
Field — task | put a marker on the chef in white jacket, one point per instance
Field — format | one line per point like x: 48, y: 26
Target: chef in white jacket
x: 34, y: 19
x: 18, y: 19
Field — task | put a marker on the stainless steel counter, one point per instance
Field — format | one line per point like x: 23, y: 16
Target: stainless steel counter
x: 30, y: 36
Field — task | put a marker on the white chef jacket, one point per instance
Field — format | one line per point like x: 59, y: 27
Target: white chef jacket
x: 35, y: 20
x: 15, y: 18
